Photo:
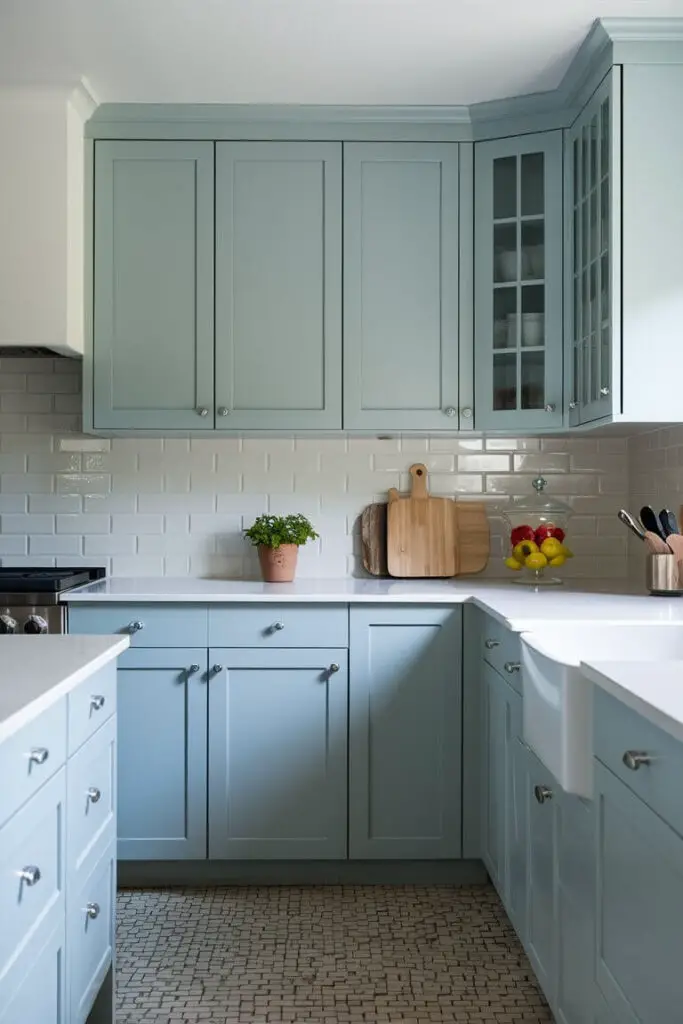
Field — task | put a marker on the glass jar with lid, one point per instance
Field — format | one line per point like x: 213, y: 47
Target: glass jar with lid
x: 537, y: 536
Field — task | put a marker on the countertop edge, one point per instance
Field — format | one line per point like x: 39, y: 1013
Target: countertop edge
x: 41, y: 703
x: 651, y: 712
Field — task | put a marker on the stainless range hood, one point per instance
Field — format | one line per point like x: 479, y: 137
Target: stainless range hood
x: 42, y: 206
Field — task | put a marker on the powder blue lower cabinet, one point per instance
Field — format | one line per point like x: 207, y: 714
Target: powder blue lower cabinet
x: 405, y: 710
x: 543, y: 796
x: 162, y: 708
x: 640, y: 906
x: 277, y: 753
x: 40, y: 997
x: 576, y: 994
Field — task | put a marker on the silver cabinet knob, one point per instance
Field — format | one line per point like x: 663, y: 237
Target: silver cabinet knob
x: 633, y: 759
x: 202, y: 411
x: 573, y: 405
x: 215, y: 669
x: 94, y: 795
x: 135, y: 627
x: 334, y: 667
x: 450, y: 411
x: 35, y: 625
x: 604, y: 392
x: 97, y: 702
x: 277, y: 626
x: 550, y: 407
x: 38, y: 755
x: 8, y: 624
x: 512, y: 666
x: 30, y: 874
x: 542, y: 793
x: 223, y: 410
x: 92, y: 910
x: 466, y: 413
x: 490, y: 644
x: 192, y: 669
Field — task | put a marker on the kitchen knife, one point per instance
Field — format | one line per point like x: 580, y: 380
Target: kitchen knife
x: 648, y: 518
x: 632, y: 523
x: 669, y: 522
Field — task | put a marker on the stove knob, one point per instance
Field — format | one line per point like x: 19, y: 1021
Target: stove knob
x: 7, y: 623
x: 35, y: 624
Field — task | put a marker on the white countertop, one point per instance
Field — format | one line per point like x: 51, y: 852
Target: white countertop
x: 519, y: 608
x: 35, y: 671
x: 653, y: 689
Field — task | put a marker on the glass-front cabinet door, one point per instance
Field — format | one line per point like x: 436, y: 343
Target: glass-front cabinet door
x: 592, y: 306
x: 518, y: 289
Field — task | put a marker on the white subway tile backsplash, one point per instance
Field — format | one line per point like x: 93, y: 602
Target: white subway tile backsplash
x: 146, y: 506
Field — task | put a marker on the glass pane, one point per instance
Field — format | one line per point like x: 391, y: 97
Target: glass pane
x: 533, y: 380
x: 505, y: 187
x: 576, y: 333
x: 533, y: 316
x: 586, y: 318
x: 505, y: 265
x: 505, y: 380
x: 605, y: 139
x: 577, y: 170
x: 594, y: 151
x: 505, y: 318
x: 586, y: 183
x: 533, y: 185
x: 585, y: 371
x: 604, y: 214
x: 595, y: 229
x: 605, y: 357
x: 577, y: 239
x: 576, y: 372
x: 585, y: 234
x: 595, y: 368
x: 533, y: 254
x: 605, y: 298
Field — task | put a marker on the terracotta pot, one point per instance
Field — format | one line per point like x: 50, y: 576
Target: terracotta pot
x: 278, y: 565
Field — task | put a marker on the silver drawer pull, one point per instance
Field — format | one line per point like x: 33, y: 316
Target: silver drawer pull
x: 542, y: 793
x: 92, y: 910
x: 94, y: 795
x: 490, y: 644
x: 38, y: 755
x: 215, y: 669
x: 30, y: 874
x: 512, y: 666
x: 276, y: 627
x: 97, y: 702
x: 135, y: 627
x: 633, y: 759
x: 334, y: 667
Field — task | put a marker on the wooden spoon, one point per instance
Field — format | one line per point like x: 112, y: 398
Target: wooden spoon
x: 656, y: 546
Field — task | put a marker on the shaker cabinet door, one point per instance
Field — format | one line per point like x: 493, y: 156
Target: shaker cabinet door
x: 278, y: 285
x: 518, y: 282
x: 401, y: 286
x: 153, y: 285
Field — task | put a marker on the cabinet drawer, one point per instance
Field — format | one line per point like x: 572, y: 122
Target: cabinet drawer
x: 31, y: 756
x: 90, y: 705
x: 147, y: 625
x: 31, y: 870
x: 37, y: 994
x: 279, y: 625
x: 91, y: 792
x: 500, y: 648
x: 90, y: 935
x: 620, y: 733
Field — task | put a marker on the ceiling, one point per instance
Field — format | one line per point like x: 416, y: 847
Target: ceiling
x: 302, y: 51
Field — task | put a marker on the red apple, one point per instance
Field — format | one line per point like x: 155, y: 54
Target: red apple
x: 558, y: 533
x: 543, y: 532
x: 521, y: 533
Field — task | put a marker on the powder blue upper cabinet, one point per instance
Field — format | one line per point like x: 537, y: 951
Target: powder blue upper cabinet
x: 277, y: 754
x: 518, y: 282
x: 278, y: 285
x: 401, y: 286
x: 162, y: 707
x: 405, y: 733
x: 640, y: 906
x: 153, y: 285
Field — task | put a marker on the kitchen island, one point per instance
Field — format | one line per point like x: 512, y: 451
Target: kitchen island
x: 57, y: 828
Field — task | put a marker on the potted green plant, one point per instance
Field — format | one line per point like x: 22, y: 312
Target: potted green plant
x: 278, y: 539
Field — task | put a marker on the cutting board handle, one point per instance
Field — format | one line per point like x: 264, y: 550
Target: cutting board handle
x: 419, y: 474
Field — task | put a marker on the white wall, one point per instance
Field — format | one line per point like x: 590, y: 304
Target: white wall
x: 177, y: 506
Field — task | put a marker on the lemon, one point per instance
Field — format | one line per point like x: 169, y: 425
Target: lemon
x: 558, y: 560
x: 536, y: 560
x: 551, y: 548
x: 565, y: 551
x: 523, y: 549
x: 512, y: 563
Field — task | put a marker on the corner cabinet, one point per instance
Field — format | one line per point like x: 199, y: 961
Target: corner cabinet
x: 401, y: 307
x: 518, y: 282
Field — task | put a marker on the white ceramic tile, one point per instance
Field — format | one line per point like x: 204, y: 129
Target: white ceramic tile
x: 112, y: 544
x: 53, y: 545
x: 137, y: 524
x: 26, y: 523
x: 54, y: 502
x: 84, y: 524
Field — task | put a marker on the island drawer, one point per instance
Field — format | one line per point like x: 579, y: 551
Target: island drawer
x: 90, y: 935
x: 32, y: 870
x: 500, y: 647
x: 644, y: 757
x: 31, y: 756
x: 90, y: 705
x: 147, y: 625
x: 91, y: 798
x: 279, y: 625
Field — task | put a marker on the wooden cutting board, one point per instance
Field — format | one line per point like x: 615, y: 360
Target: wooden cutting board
x: 373, y: 531
x: 474, y: 536
x: 422, y: 532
